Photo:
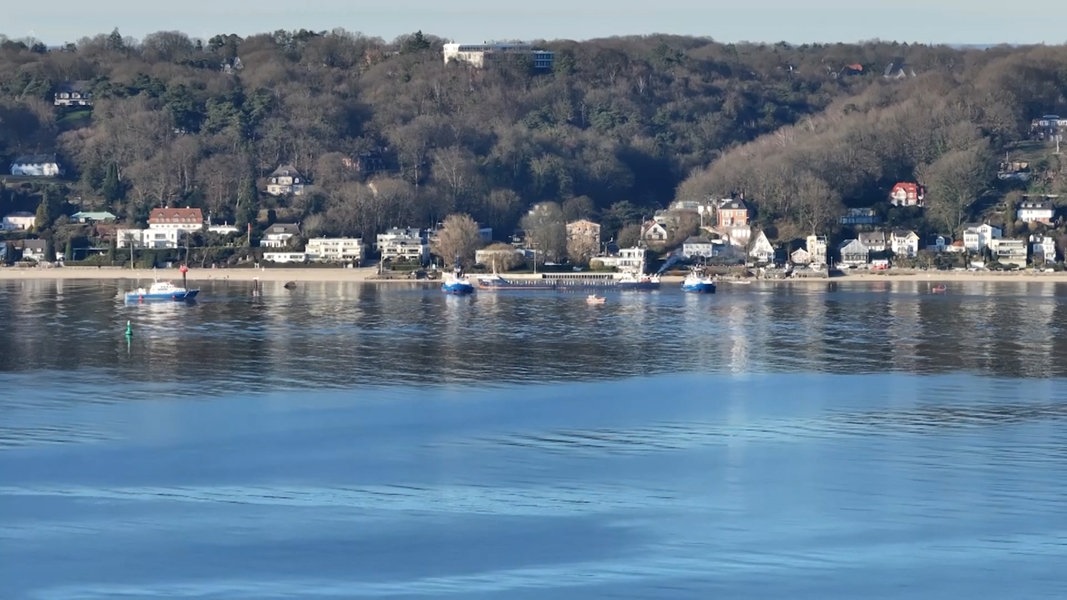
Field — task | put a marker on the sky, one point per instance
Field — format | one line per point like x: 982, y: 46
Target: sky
x: 794, y: 21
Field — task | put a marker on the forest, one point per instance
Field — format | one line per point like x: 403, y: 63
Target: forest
x: 389, y: 135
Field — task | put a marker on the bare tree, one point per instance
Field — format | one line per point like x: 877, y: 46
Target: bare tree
x: 546, y: 231
x: 457, y: 240
x: 503, y: 257
x: 817, y: 207
x: 955, y: 181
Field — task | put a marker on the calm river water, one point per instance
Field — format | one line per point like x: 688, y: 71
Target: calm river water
x: 351, y: 441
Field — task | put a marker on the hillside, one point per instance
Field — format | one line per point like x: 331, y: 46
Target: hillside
x: 388, y: 134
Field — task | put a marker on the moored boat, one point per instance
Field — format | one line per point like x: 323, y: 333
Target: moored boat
x: 637, y: 281
x: 495, y: 282
x: 569, y: 281
x: 161, y: 291
x: 457, y: 283
x: 698, y: 282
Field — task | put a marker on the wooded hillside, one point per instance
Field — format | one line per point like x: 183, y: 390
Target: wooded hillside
x: 389, y: 135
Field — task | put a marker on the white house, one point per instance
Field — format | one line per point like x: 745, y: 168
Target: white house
x: 800, y: 256
x: 285, y: 180
x: 187, y: 220
x: 696, y: 246
x: 148, y: 238
x: 904, y: 243
x: 854, y: 253
x: 19, y: 221
x: 1043, y: 248
x: 285, y: 257
x: 628, y: 259
x: 167, y: 228
x: 33, y: 249
x: 1036, y: 211
x: 349, y: 250
x: 73, y: 93
x: 403, y: 243
x: 939, y: 243
x: 40, y: 165
x: 484, y: 54
x: 874, y: 240
x: 978, y: 237
x: 278, y: 235
x: 762, y: 251
x: 1009, y: 251
x: 653, y: 231
x: 816, y: 247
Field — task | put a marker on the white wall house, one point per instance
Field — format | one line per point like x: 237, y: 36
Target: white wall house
x: 19, y: 221
x: 762, y: 250
x: 73, y: 93
x: 335, y: 250
x: 1043, y: 248
x: 854, y: 253
x: 403, y: 243
x: 148, y: 238
x: 1009, y: 251
x: 285, y: 180
x: 41, y: 165
x: 484, y: 54
x: 285, y: 257
x: 816, y: 247
x: 1036, y: 210
x: 696, y: 247
x: 628, y: 259
x: 167, y: 228
x: 33, y: 249
x: 874, y: 240
x: 904, y: 243
x: 978, y: 237
x: 278, y: 235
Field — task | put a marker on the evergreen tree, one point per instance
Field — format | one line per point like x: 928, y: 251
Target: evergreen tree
x: 112, y: 188
x: 49, y: 247
x: 247, y: 203
x: 41, y: 221
x: 47, y: 209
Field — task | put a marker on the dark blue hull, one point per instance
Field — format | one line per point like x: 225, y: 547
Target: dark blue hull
x: 458, y: 289
x: 700, y: 288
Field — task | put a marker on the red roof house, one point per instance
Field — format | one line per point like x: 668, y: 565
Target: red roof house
x: 906, y: 193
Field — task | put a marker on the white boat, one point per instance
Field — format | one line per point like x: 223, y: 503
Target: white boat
x: 161, y: 291
x: 595, y: 299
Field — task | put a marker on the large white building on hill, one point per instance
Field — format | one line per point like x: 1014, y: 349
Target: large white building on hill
x: 482, y: 55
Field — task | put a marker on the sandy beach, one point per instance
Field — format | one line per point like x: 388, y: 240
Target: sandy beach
x: 370, y: 275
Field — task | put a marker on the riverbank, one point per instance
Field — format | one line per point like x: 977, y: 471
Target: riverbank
x: 370, y: 275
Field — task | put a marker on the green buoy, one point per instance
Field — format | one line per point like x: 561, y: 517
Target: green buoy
x: 129, y: 329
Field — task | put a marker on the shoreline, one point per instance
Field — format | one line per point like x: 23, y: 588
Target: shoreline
x: 369, y: 275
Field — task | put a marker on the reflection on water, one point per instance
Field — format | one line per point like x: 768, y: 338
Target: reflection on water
x: 346, y: 333
x: 353, y: 441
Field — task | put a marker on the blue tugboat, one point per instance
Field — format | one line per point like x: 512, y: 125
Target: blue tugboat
x: 698, y: 282
x: 162, y: 291
x: 457, y: 283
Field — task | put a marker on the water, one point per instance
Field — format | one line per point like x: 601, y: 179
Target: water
x: 351, y: 441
